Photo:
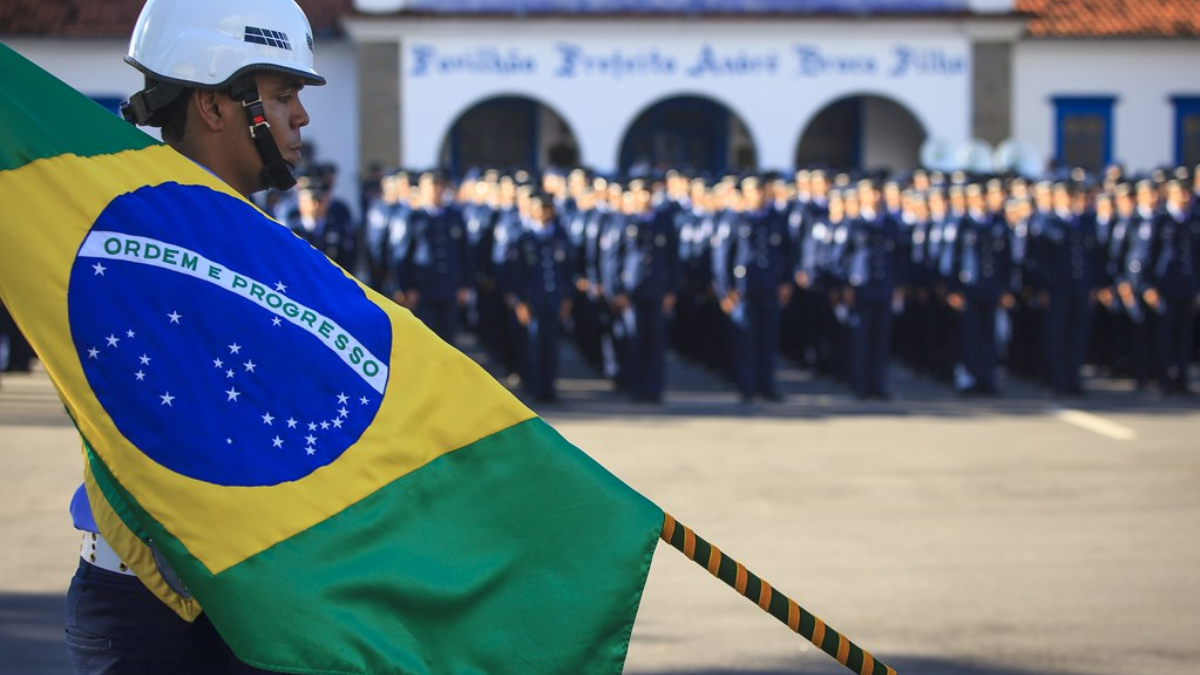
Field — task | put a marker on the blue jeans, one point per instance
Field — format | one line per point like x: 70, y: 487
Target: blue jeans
x: 117, y: 627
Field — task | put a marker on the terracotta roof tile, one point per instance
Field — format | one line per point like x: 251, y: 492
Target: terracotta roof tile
x: 1112, y: 18
x: 115, y: 18
x: 1048, y: 18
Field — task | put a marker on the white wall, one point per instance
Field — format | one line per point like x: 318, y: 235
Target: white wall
x: 1142, y: 75
x: 96, y: 68
x: 776, y: 96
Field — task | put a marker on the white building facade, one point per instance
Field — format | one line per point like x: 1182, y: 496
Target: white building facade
x: 716, y: 92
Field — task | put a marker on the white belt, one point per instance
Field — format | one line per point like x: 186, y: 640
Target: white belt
x: 98, y: 552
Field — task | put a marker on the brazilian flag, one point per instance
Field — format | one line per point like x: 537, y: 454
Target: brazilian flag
x: 338, y: 489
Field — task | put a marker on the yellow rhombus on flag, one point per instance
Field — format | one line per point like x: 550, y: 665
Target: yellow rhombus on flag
x: 338, y: 489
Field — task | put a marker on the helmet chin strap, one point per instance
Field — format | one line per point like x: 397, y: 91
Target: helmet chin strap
x: 276, y: 172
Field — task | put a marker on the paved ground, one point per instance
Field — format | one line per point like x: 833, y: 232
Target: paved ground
x: 1018, y: 536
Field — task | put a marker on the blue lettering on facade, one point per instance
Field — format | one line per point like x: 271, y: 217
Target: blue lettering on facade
x: 812, y: 62
x: 575, y: 61
x: 428, y: 61
x: 925, y: 61
x: 711, y: 63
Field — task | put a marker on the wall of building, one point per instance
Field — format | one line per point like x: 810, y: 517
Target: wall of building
x: 1143, y: 75
x: 600, y: 75
x: 96, y: 68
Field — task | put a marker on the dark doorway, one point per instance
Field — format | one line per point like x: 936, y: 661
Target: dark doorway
x: 690, y: 133
x: 509, y: 131
x: 862, y: 132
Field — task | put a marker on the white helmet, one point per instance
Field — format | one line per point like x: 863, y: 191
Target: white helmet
x: 208, y: 43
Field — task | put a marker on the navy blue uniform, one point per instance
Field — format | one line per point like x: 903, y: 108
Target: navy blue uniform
x: 544, y: 281
x: 981, y: 250
x: 757, y: 261
x: 649, y: 273
x: 1173, y: 268
x: 873, y: 262
x: 436, y: 267
x: 1071, y: 261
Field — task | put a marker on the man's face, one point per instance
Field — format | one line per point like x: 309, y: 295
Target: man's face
x: 285, y: 114
x: 281, y: 99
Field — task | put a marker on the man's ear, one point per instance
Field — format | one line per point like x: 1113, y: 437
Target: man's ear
x: 206, y: 104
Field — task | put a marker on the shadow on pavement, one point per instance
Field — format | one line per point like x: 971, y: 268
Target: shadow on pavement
x: 31, y: 635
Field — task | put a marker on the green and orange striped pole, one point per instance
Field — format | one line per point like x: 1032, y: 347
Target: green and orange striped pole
x: 770, y: 600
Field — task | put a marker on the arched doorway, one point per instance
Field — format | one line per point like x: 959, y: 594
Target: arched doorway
x: 862, y: 132
x: 687, y: 132
x: 509, y: 131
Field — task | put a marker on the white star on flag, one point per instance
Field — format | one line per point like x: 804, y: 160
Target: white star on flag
x: 324, y: 426
x: 281, y: 287
x: 99, y: 269
x: 342, y: 412
x: 337, y: 423
x: 291, y: 423
x: 93, y: 353
x: 144, y: 359
x: 342, y: 398
x: 249, y: 366
x: 312, y: 427
x: 267, y: 418
x: 233, y: 394
x: 235, y: 348
x: 130, y: 333
x: 112, y: 340
x: 217, y: 363
x: 311, y: 440
x: 167, y: 398
x: 310, y: 451
x: 277, y: 442
x: 139, y: 375
x: 175, y: 316
x: 229, y: 373
x: 364, y: 401
x: 275, y: 321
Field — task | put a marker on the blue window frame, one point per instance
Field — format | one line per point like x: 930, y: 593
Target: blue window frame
x: 1083, y: 131
x: 1187, y: 130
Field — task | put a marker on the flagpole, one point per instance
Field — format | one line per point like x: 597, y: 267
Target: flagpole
x: 773, y: 602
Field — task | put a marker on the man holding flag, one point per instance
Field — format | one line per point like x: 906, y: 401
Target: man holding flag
x: 330, y: 484
x: 115, y: 625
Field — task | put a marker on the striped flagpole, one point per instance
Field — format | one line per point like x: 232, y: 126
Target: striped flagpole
x: 770, y: 600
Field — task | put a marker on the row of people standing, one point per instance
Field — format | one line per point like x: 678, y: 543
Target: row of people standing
x: 968, y: 273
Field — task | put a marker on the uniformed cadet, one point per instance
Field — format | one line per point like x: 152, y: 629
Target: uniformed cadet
x: 1070, y: 260
x: 648, y: 281
x: 1105, y: 342
x: 1174, y: 289
x: 325, y: 222
x: 873, y: 264
x: 1134, y: 281
x: 979, y: 279
x: 694, y: 223
x: 753, y: 281
x: 376, y: 224
x: 615, y: 315
x: 543, y: 283
x: 433, y: 274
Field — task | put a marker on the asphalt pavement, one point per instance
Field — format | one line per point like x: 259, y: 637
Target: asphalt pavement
x: 1014, y: 536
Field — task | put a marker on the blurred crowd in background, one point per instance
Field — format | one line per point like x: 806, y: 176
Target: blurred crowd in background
x: 959, y: 276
